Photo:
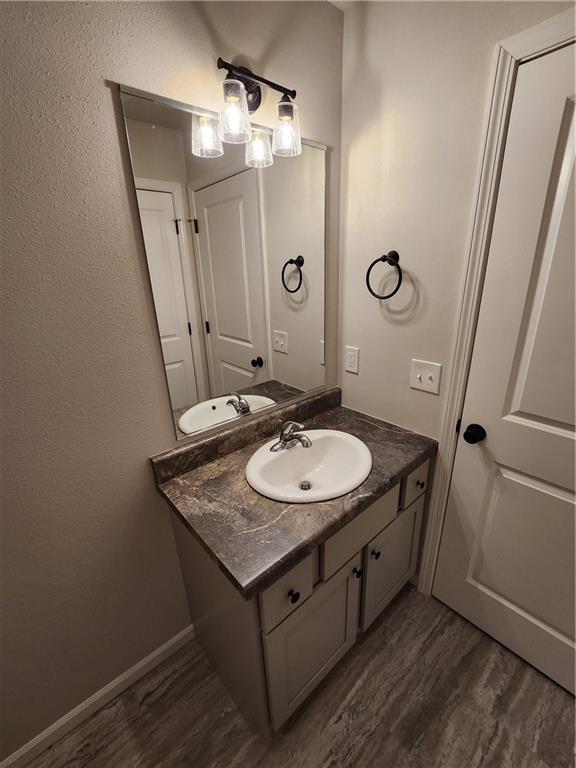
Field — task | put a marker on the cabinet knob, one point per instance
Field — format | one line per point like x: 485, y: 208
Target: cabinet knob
x: 294, y: 596
x: 420, y: 484
x: 357, y: 572
x: 375, y: 554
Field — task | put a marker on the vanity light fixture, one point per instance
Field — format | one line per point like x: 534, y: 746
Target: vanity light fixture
x: 286, y: 141
x: 258, y: 152
x: 205, y: 139
x: 242, y: 96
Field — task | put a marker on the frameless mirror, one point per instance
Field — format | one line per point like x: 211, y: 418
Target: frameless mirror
x: 236, y: 263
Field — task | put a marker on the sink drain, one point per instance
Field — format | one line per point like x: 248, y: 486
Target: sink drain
x: 305, y: 485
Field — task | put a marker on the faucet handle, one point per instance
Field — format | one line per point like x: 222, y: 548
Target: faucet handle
x: 289, y: 427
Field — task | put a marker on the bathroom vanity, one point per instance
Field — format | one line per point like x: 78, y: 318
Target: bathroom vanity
x: 279, y: 592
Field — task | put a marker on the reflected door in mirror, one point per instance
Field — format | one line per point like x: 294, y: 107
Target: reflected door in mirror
x: 232, y: 272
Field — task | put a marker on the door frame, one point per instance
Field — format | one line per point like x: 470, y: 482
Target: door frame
x: 543, y: 38
x: 189, y: 275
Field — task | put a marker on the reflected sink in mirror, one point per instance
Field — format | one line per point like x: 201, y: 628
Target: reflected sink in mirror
x: 215, y: 411
x: 335, y: 464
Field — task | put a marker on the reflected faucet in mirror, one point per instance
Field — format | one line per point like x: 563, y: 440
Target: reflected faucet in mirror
x: 217, y: 236
x: 240, y: 405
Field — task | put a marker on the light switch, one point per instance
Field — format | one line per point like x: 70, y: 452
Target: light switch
x: 280, y: 341
x: 425, y: 376
x: 352, y: 355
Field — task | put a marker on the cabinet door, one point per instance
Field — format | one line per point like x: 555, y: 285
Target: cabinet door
x: 304, y: 647
x: 390, y: 561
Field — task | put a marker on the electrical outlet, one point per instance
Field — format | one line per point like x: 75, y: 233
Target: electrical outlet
x: 425, y: 376
x: 352, y: 359
x: 280, y: 341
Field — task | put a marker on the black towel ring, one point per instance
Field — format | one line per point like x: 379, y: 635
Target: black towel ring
x: 392, y: 258
x: 299, y: 262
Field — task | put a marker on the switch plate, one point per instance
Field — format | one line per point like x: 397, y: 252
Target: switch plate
x: 280, y: 341
x: 425, y: 376
x: 352, y: 359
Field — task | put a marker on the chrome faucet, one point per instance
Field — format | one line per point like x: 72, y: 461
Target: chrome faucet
x: 289, y: 438
x: 241, y: 406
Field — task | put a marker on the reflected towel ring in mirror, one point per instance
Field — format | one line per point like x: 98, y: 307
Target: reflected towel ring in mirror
x: 392, y: 258
x: 299, y: 263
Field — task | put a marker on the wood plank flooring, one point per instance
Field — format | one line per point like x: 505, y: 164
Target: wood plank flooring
x: 422, y: 689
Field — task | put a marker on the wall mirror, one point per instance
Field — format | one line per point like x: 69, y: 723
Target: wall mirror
x: 236, y: 259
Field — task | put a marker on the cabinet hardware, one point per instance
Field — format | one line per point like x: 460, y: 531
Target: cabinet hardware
x: 357, y: 572
x: 375, y: 554
x: 420, y: 484
x: 294, y: 596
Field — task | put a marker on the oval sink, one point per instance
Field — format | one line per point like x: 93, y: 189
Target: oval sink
x: 335, y: 464
x: 215, y: 411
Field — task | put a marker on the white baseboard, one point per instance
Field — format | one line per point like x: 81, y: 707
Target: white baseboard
x: 70, y: 720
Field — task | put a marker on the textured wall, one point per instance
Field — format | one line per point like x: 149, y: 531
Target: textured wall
x: 90, y: 578
x: 415, y: 85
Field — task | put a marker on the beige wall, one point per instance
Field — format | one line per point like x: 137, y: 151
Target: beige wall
x: 157, y: 152
x: 90, y: 577
x: 293, y: 224
x: 415, y: 85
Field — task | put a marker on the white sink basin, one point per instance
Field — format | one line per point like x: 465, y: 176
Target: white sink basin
x: 215, y: 411
x: 335, y: 464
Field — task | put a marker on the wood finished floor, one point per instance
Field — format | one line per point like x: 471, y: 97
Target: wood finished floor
x: 422, y: 689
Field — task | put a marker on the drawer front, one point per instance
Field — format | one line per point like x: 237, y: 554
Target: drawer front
x: 357, y: 533
x: 303, y: 649
x: 390, y: 561
x: 287, y: 594
x: 414, y: 485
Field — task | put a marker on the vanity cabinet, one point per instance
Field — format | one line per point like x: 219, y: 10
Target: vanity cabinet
x: 273, y: 649
x: 390, y: 561
x: 304, y: 648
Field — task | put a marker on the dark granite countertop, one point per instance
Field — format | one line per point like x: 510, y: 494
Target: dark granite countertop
x: 255, y: 540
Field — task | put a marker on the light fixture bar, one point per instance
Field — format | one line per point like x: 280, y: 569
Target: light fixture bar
x: 244, y: 72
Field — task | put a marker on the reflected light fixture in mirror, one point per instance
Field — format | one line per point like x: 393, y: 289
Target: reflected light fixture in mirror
x: 234, y: 122
x: 286, y: 140
x: 258, y: 151
x: 205, y: 139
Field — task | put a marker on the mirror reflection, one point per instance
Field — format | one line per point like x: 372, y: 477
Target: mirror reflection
x: 236, y: 263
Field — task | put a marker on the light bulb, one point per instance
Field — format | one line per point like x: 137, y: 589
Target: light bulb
x: 205, y: 139
x: 258, y: 152
x: 286, y: 141
x: 234, y: 119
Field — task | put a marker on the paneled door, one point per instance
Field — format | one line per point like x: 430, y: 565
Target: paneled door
x: 232, y: 278
x: 506, y: 560
x: 163, y: 255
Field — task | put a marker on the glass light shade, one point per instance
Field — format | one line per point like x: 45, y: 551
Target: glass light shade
x: 258, y: 152
x: 205, y: 139
x: 234, y: 120
x: 286, y: 141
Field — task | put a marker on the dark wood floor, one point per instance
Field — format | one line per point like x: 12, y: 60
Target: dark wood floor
x: 422, y: 689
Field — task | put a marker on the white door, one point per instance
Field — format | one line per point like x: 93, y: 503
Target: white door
x: 507, y: 553
x: 233, y: 282
x: 163, y: 255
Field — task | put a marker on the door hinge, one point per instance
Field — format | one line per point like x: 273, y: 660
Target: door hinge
x: 458, y: 425
x: 189, y: 329
x: 207, y: 324
x: 177, y: 227
x: 195, y: 221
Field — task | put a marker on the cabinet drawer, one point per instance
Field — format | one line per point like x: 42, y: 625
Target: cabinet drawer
x: 390, y: 561
x: 303, y: 649
x: 414, y: 485
x: 354, y: 535
x: 287, y: 594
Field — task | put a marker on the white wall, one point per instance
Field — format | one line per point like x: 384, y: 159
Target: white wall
x: 89, y: 572
x: 415, y: 83
x: 293, y: 192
